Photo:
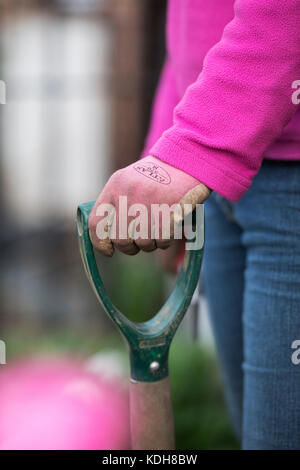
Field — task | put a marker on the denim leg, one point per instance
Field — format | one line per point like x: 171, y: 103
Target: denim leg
x: 269, y: 214
x: 223, y: 269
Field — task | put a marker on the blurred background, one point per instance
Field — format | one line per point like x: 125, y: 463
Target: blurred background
x: 80, y: 77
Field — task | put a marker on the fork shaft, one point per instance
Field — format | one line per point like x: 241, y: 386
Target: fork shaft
x: 151, y: 415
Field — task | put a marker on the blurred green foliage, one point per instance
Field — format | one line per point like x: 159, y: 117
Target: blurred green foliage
x: 22, y: 344
x: 136, y: 285
x: 201, y: 420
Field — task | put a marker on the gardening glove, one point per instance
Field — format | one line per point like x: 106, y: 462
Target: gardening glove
x: 118, y: 212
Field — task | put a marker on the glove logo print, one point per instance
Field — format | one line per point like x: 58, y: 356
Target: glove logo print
x: 153, y: 171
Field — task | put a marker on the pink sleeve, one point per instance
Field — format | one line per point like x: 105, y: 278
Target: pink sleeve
x: 241, y: 101
x: 164, y: 103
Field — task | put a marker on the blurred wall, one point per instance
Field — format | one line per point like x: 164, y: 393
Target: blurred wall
x: 57, y: 122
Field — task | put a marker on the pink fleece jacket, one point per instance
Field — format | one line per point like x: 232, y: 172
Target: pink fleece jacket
x: 229, y: 69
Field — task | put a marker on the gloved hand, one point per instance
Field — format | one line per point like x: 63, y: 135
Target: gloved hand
x: 148, y: 181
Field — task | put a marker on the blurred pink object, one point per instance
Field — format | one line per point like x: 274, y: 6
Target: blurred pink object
x: 56, y: 404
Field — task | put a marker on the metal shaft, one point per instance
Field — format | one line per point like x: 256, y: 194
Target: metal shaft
x: 151, y: 415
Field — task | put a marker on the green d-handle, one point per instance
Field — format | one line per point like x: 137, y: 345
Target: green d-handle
x: 149, y: 342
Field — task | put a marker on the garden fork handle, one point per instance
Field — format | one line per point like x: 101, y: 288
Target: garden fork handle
x: 152, y: 423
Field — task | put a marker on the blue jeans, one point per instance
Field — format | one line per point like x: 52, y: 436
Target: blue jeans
x: 252, y: 283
